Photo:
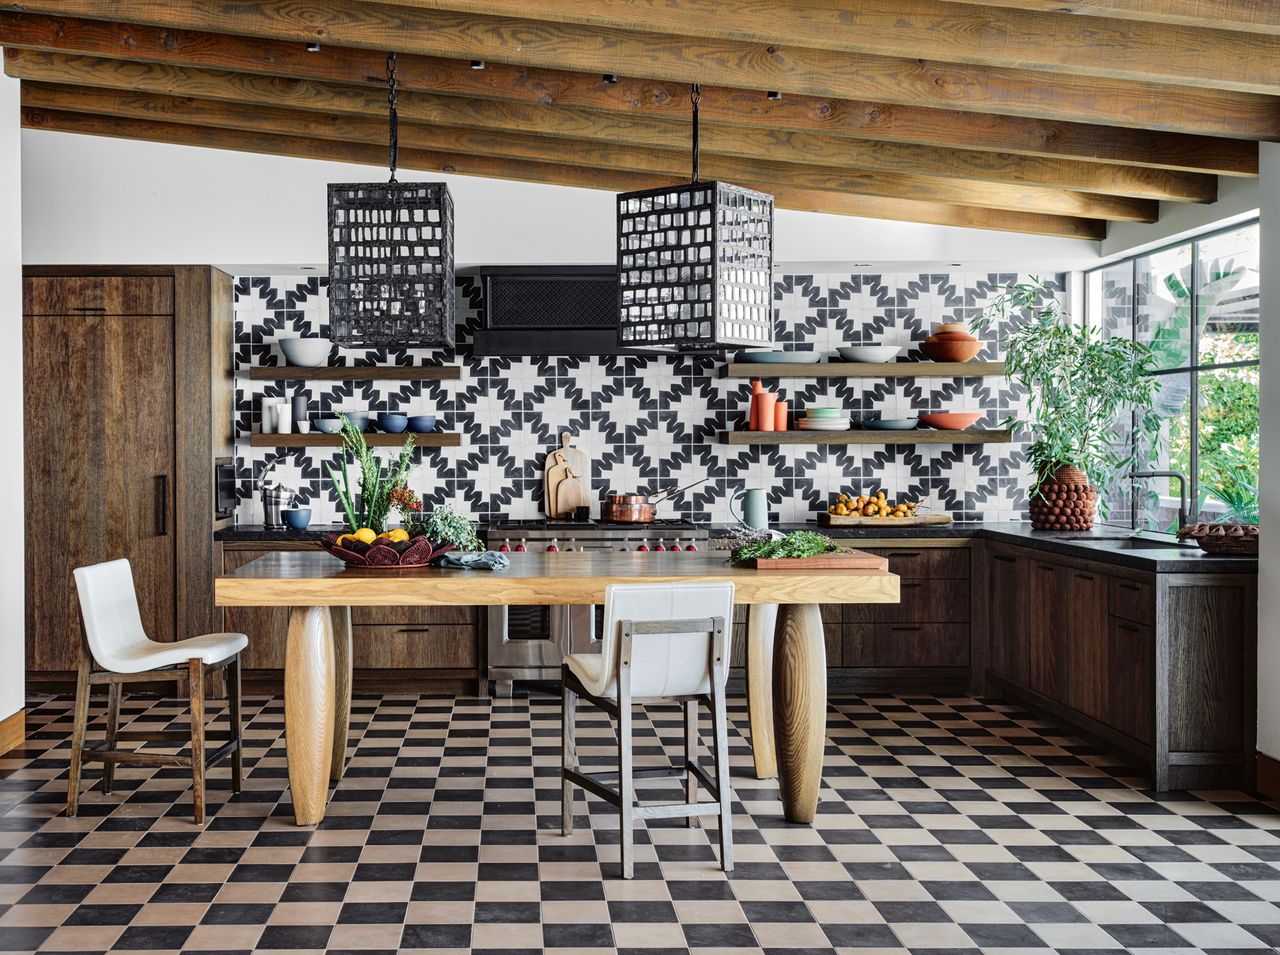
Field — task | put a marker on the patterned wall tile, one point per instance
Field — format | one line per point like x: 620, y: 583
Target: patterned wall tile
x: 648, y: 423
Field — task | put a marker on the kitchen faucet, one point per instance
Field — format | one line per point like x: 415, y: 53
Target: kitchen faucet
x: 1182, y: 490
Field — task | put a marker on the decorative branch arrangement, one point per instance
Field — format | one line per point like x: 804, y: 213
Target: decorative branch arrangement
x: 370, y: 508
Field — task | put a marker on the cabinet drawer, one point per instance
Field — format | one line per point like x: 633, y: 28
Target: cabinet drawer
x: 925, y: 563
x: 907, y: 645
x: 443, y: 646
x: 412, y: 616
x: 1132, y: 600
x: 922, y: 601
x: 100, y: 295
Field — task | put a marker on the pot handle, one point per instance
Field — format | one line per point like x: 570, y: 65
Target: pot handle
x: 733, y: 498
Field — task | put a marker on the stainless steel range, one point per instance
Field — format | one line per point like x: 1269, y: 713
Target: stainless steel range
x: 529, y: 643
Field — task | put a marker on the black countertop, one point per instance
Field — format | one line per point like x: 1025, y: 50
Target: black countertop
x: 1110, y: 545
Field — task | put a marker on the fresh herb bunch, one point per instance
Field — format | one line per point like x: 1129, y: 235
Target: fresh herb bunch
x: 376, y: 485
x: 795, y: 544
x: 444, y: 525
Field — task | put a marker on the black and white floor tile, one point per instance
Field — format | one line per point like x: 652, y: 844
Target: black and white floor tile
x: 946, y: 825
x: 646, y: 422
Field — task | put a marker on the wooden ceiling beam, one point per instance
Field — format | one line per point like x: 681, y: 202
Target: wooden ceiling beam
x: 845, y: 119
x: 1003, y: 36
x: 511, y: 118
x: 557, y: 174
x: 901, y: 80
x: 763, y: 175
x: 743, y: 142
x: 1246, y: 16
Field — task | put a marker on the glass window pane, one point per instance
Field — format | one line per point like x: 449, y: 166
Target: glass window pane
x: 1163, y: 305
x: 1228, y: 449
x: 1110, y: 292
x: 1167, y: 448
x: 1227, y: 297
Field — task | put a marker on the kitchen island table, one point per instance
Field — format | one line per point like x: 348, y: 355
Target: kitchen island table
x: 320, y: 590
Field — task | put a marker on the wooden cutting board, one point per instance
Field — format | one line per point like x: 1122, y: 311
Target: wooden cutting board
x: 847, y: 559
x: 565, y: 463
x: 848, y: 520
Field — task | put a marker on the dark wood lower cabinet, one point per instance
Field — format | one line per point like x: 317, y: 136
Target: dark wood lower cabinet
x: 1160, y: 668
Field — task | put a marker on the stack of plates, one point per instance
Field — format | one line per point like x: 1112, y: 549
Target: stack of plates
x: 824, y: 418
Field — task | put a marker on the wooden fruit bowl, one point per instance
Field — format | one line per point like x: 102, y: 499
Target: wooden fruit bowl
x: 383, y: 554
x: 1227, y: 540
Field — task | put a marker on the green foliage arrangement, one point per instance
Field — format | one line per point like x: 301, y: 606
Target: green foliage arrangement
x: 444, y: 525
x: 1077, y: 382
x: 375, y: 484
x: 795, y: 544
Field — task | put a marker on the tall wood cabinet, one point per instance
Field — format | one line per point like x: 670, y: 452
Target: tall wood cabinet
x: 127, y: 402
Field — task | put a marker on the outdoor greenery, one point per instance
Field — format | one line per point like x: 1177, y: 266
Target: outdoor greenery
x: 1077, y: 382
x: 370, y: 507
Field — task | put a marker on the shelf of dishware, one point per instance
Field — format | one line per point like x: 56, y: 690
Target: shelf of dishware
x: 434, y: 439
x: 356, y: 373
x: 858, y: 369
x: 868, y: 436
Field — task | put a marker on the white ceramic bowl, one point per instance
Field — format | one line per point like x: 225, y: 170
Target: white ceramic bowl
x: 306, y: 352
x: 869, y: 353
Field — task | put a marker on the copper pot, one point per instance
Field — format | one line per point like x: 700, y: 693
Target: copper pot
x: 627, y: 509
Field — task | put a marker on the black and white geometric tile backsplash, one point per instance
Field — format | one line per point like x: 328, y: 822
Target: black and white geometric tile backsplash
x: 647, y: 422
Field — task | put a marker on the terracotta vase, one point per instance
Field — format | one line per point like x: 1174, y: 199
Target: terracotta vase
x: 1066, y: 501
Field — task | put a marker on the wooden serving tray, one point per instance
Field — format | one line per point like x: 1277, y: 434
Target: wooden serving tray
x: 848, y: 559
x: 836, y: 520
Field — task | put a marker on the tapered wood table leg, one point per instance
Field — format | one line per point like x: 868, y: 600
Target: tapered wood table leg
x: 341, y: 617
x: 800, y: 707
x: 762, y: 620
x: 308, y: 710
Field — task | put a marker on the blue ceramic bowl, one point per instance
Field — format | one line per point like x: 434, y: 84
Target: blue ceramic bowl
x: 422, y: 423
x: 329, y: 425
x: 297, y: 517
x: 392, y: 422
x: 359, y: 418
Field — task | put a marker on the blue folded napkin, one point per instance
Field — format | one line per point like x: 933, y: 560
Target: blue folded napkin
x: 489, y: 560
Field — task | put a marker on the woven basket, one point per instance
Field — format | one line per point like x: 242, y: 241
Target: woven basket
x: 385, y: 555
x: 1224, y: 545
x: 1065, y: 501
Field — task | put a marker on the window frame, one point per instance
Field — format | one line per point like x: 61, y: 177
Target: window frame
x: 1192, y: 370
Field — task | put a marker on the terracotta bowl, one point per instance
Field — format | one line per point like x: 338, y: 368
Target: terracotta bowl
x: 951, y: 351
x: 951, y: 420
x: 944, y: 328
x: 951, y: 337
x: 384, y: 555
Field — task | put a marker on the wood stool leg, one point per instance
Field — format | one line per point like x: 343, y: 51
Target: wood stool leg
x: 236, y: 718
x: 690, y: 759
x: 195, y: 671
x: 568, y: 752
x: 114, y: 692
x: 626, y: 779
x: 80, y: 726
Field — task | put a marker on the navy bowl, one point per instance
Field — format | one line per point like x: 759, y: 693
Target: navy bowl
x: 297, y: 517
x: 392, y: 422
x: 422, y: 423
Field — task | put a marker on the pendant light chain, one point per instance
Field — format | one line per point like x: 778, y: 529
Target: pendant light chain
x: 394, y: 124
x: 695, y: 97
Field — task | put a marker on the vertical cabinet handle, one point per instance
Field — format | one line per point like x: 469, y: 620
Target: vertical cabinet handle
x: 162, y: 505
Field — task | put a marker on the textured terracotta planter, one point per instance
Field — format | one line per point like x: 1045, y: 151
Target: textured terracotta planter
x: 1066, y: 501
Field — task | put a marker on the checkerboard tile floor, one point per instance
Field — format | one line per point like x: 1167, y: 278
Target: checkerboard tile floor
x: 946, y: 825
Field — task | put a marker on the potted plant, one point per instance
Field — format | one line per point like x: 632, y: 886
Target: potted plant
x: 1078, y: 383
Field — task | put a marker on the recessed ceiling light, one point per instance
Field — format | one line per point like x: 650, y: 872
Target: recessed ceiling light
x: 774, y: 95
x: 313, y: 47
x: 611, y: 78
x: 477, y: 64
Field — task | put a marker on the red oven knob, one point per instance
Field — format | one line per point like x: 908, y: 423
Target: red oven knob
x: 676, y: 546
x: 661, y: 545
x: 520, y: 548
x: 506, y: 546
x: 643, y: 546
x: 691, y: 546
x: 553, y: 547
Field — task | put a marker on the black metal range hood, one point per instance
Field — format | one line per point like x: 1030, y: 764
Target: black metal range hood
x: 567, y: 310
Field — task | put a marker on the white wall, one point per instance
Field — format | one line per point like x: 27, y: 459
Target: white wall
x: 1269, y: 479
x: 119, y: 201
x: 1238, y: 198
x: 12, y: 618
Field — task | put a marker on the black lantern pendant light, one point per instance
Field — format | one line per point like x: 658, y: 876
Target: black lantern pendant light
x: 695, y: 264
x: 391, y: 257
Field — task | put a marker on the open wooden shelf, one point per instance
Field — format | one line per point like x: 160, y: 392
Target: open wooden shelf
x: 434, y: 439
x: 853, y: 369
x: 356, y: 373
x: 868, y: 436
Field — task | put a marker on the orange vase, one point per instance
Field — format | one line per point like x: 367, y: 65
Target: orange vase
x: 780, y: 416
x: 767, y: 402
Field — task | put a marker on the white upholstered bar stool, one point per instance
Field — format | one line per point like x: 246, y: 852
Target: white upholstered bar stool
x: 661, y: 643
x: 118, y: 644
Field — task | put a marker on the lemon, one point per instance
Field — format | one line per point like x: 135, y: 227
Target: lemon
x: 398, y: 535
x: 342, y: 538
x: 365, y: 535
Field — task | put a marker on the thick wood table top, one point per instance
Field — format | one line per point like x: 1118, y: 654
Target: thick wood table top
x: 316, y: 579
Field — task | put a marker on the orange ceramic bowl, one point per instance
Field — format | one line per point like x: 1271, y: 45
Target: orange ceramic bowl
x: 951, y: 337
x: 951, y: 351
x: 945, y: 328
x: 950, y: 420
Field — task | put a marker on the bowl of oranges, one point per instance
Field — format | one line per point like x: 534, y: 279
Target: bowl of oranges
x: 389, y: 550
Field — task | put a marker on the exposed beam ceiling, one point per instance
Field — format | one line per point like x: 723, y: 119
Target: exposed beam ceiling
x: 1046, y: 116
x: 631, y: 96
x: 902, y: 80
x: 558, y: 174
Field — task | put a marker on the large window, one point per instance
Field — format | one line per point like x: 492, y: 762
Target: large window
x: 1196, y: 305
